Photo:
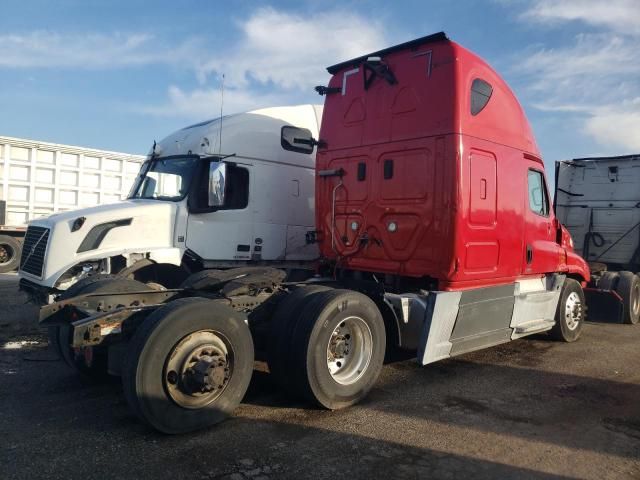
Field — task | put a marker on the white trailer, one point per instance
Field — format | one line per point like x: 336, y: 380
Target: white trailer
x: 40, y: 178
x: 218, y: 194
x: 598, y: 200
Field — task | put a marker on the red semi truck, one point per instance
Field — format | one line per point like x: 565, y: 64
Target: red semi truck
x: 434, y: 222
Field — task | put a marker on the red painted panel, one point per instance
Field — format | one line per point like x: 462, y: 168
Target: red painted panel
x: 458, y: 190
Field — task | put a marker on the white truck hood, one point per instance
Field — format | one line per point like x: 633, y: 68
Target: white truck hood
x: 129, y: 226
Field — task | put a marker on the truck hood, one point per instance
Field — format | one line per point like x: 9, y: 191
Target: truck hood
x: 131, y: 226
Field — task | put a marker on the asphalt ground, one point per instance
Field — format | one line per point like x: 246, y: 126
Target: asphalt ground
x: 532, y: 408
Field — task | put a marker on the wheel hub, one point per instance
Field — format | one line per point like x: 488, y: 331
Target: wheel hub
x: 198, y: 369
x: 573, y: 311
x: 5, y: 254
x: 349, y: 350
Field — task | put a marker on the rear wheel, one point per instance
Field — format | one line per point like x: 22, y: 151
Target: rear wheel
x: 570, y: 313
x: 10, y: 251
x: 188, y: 365
x: 285, y: 319
x: 338, y: 348
x: 91, y: 362
x: 608, y: 281
x: 628, y: 288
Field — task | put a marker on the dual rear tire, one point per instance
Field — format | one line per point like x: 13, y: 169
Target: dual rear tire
x: 627, y: 286
x: 327, y: 346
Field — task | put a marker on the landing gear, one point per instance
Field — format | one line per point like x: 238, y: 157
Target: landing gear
x: 188, y: 365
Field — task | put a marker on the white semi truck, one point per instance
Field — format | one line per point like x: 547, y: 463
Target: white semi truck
x: 217, y: 194
x: 598, y: 200
x: 41, y: 178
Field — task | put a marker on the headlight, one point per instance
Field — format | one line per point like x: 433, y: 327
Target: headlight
x: 77, y: 224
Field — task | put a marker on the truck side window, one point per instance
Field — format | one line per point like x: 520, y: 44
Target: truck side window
x: 480, y: 94
x: 538, y: 200
x: 237, y: 189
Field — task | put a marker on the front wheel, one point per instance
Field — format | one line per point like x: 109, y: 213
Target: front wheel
x: 570, y: 313
x: 188, y: 365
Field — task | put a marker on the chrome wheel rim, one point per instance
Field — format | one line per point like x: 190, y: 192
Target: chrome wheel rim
x: 636, y: 299
x: 349, y: 350
x: 198, y: 369
x: 573, y: 311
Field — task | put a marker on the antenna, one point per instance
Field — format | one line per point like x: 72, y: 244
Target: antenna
x: 221, y: 106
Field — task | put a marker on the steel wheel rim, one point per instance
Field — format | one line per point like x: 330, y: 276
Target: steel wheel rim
x: 6, y: 253
x: 198, y: 369
x: 349, y: 350
x: 635, y: 294
x: 573, y: 311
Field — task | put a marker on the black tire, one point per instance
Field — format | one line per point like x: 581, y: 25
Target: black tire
x: 283, y: 324
x: 92, y: 362
x: 153, y: 346
x: 628, y: 288
x: 311, y: 339
x: 10, y: 252
x: 570, y: 313
x: 608, y: 281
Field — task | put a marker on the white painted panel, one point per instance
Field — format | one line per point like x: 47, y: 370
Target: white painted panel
x: 112, y: 165
x: 20, y: 153
x: 69, y: 178
x: 90, y: 180
x: 110, y: 198
x: 68, y: 197
x: 69, y: 159
x: 18, y: 193
x: 1, y: 152
x: 88, y: 199
x: 131, y: 167
x: 44, y: 195
x: 19, y: 172
x: 16, y: 217
x: 111, y: 183
x: 45, y: 175
x: 45, y: 156
x: 91, y: 162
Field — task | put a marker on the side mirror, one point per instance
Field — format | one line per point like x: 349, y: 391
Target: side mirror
x: 149, y: 187
x: 297, y: 139
x: 217, y: 182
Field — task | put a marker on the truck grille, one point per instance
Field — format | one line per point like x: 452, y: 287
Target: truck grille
x: 33, y: 250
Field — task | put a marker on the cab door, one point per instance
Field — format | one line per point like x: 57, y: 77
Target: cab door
x: 541, y: 251
x: 226, y: 233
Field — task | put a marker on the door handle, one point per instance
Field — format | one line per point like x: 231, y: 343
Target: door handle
x: 529, y: 254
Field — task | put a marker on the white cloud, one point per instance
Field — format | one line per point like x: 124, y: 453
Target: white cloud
x: 203, y: 103
x: 617, y: 127
x: 43, y: 49
x: 616, y: 15
x: 282, y: 54
x: 597, y: 76
x: 291, y: 51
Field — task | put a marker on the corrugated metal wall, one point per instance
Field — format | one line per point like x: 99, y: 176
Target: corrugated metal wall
x: 38, y: 178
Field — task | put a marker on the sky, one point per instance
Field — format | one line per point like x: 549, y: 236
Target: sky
x: 117, y: 74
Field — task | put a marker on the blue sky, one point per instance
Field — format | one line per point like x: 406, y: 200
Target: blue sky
x: 119, y: 74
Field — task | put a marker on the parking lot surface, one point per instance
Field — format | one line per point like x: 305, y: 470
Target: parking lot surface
x: 529, y: 409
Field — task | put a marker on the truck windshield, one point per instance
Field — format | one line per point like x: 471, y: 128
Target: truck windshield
x: 166, y: 178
